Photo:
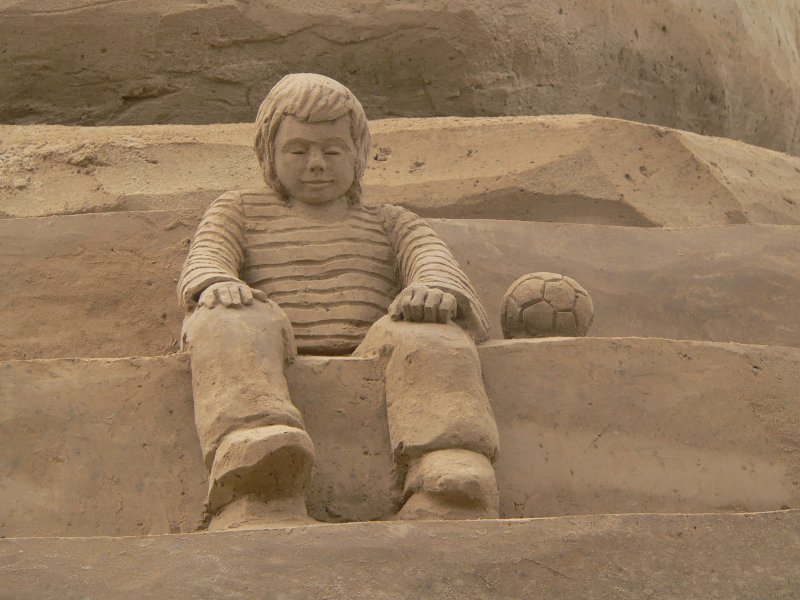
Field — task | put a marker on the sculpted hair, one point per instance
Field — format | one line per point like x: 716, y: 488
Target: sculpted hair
x: 311, y: 98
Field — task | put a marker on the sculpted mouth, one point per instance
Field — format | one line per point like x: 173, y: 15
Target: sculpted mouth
x: 317, y: 182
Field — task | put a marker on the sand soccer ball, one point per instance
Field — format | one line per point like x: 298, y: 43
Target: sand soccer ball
x: 546, y: 305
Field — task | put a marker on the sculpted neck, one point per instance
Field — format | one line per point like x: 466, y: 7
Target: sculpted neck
x: 334, y: 210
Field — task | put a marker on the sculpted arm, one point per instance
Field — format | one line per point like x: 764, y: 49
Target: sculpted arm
x: 435, y: 287
x: 210, y: 275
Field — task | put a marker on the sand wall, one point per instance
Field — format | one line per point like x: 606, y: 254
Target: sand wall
x: 727, y: 67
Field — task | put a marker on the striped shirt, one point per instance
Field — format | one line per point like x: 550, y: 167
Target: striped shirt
x: 333, y: 279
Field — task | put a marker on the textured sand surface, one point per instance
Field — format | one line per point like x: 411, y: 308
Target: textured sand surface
x: 662, y: 452
x: 628, y: 556
x: 675, y: 235
x: 587, y: 426
x: 103, y: 285
x: 111, y: 276
x: 727, y: 68
x: 577, y: 169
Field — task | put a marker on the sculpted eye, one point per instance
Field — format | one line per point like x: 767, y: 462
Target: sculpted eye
x: 332, y: 152
x: 297, y: 151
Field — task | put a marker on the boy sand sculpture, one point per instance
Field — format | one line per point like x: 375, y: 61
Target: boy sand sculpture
x: 305, y: 267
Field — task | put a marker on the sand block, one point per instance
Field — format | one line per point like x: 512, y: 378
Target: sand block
x: 602, y: 556
x: 92, y: 285
x: 576, y: 169
x: 108, y: 447
x: 730, y: 70
x: 736, y: 283
x: 96, y: 446
x: 104, y: 285
x: 588, y: 424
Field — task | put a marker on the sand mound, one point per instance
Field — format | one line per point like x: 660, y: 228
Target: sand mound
x: 576, y: 169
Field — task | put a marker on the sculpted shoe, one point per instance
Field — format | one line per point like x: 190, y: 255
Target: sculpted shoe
x: 260, y: 475
x: 450, y: 484
x: 256, y: 512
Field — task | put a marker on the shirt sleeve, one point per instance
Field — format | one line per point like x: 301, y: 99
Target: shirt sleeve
x: 424, y: 258
x: 217, y: 250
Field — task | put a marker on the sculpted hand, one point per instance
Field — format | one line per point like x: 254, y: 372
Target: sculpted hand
x: 230, y: 294
x: 422, y: 304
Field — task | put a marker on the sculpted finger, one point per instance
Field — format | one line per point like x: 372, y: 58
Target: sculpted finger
x: 236, y: 296
x: 208, y: 298
x: 448, y: 308
x: 258, y: 295
x: 432, y: 305
x: 417, y: 304
x: 201, y: 300
x: 246, y: 294
x: 224, y: 294
x: 395, y: 310
x: 405, y: 306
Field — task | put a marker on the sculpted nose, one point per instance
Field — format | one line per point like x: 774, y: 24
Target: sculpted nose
x: 316, y: 162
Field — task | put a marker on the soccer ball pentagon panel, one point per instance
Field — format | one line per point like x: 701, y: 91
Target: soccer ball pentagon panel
x: 546, y: 305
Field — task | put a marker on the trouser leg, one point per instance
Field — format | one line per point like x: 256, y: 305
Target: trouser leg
x: 441, y: 427
x: 251, y: 434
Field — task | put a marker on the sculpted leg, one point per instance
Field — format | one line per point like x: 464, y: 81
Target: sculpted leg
x: 257, y: 452
x: 441, y: 425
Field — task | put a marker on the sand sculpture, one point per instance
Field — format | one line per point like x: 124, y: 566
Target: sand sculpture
x: 546, y: 305
x: 305, y: 267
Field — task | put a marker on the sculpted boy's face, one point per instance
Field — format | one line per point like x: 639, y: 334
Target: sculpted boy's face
x: 315, y: 162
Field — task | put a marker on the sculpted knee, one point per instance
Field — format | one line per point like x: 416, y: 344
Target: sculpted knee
x: 387, y: 334
x: 262, y: 319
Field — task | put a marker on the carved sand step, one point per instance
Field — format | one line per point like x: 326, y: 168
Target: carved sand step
x: 562, y: 169
x: 104, y: 284
x: 587, y: 426
x: 630, y: 556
